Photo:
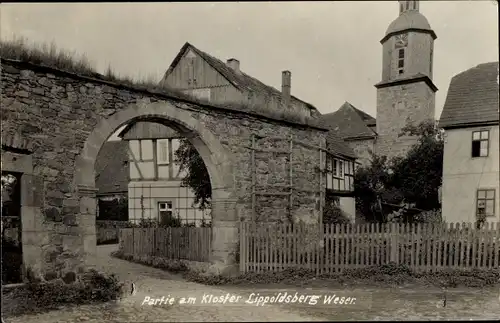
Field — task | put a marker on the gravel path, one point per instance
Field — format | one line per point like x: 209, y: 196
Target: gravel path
x: 155, y: 283
x: 373, y: 304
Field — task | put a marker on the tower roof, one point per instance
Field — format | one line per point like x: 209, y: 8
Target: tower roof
x: 411, y: 19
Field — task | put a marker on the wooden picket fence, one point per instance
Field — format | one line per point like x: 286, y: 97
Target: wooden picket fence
x: 186, y: 243
x: 332, y: 248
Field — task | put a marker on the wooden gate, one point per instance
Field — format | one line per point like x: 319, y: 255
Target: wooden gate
x: 12, y: 254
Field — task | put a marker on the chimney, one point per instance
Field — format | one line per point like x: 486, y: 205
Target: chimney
x: 234, y: 64
x: 286, y: 80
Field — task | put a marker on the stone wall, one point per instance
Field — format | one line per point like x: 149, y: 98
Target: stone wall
x: 396, y: 107
x: 57, y: 111
x: 362, y: 149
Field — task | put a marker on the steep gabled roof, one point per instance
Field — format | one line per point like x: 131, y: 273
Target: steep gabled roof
x: 337, y: 146
x: 240, y: 80
x: 349, y: 122
x: 472, y: 98
x: 111, y: 168
x: 368, y: 119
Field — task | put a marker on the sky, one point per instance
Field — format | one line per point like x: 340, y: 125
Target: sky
x: 331, y: 48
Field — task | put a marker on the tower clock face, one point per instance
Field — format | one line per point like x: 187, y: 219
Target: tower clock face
x: 401, y: 40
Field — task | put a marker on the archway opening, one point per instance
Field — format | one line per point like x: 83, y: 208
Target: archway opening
x: 168, y: 181
x: 217, y: 160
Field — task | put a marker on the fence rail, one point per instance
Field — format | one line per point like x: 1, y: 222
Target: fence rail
x: 332, y: 248
x: 187, y: 243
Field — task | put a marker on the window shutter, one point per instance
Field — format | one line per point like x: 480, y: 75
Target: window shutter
x: 162, y: 151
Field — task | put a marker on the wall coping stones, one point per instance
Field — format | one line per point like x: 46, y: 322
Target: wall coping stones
x: 163, y: 94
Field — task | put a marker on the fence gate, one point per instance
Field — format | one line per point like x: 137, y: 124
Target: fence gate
x: 12, y: 247
x: 273, y: 193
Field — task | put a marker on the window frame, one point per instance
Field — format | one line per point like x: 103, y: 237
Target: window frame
x: 485, y: 199
x: 487, y: 131
x: 166, y: 209
x: 401, y: 60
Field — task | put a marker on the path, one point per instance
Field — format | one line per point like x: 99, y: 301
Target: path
x: 156, y: 283
x: 373, y: 304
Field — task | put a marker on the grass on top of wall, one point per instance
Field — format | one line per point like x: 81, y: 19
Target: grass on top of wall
x: 69, y: 61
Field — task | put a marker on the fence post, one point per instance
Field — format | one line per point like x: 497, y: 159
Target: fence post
x: 394, y: 242
x: 154, y: 241
x: 133, y: 242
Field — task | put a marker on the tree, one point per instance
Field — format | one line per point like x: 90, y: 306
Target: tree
x: 197, y: 177
x: 412, y: 180
x: 418, y: 176
x: 372, y: 187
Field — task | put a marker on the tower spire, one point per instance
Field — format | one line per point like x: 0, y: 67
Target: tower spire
x: 408, y: 5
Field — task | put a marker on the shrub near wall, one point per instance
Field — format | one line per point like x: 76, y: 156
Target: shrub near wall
x: 36, y: 297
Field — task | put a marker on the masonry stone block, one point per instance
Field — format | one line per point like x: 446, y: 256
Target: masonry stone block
x: 88, y: 205
x: 89, y: 244
x: 32, y: 218
x: 32, y: 257
x: 32, y: 238
x: 72, y: 242
x: 224, y: 242
x: 69, y: 219
x: 224, y: 209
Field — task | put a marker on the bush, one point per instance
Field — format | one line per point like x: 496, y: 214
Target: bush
x: 38, y: 297
x: 173, y: 266
x: 388, y: 274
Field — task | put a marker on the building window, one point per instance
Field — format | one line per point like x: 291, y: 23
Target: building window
x: 341, y: 169
x: 401, y: 60
x: 329, y: 163
x: 480, y: 143
x: 162, y: 153
x: 485, y: 204
x: 146, y: 150
x: 165, y: 212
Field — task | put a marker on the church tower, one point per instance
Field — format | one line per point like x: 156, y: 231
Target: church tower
x: 406, y: 93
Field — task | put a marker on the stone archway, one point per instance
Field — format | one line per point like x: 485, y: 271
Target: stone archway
x: 217, y: 159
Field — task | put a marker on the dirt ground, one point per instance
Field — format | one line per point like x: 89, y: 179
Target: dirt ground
x: 381, y: 303
x: 406, y: 303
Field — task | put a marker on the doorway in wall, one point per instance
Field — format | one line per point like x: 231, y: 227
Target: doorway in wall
x: 12, y: 247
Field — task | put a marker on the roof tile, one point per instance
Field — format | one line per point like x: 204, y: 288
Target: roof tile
x: 349, y: 122
x: 472, y: 98
x: 112, y: 168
